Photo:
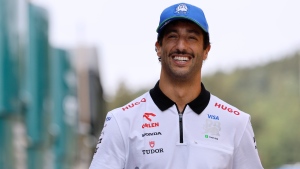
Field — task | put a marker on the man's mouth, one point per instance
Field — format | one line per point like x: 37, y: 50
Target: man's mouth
x: 181, y: 58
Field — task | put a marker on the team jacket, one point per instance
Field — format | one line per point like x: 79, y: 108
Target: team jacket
x: 150, y: 133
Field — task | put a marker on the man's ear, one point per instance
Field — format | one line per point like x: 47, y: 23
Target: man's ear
x: 206, y: 52
x: 158, y: 49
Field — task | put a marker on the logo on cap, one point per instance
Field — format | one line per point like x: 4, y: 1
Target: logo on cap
x: 181, y: 8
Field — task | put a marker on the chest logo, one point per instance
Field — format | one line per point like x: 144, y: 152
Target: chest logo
x: 151, y: 134
x: 152, y: 144
x: 147, y: 116
x: 214, y: 117
x: 212, y: 127
x: 152, y: 151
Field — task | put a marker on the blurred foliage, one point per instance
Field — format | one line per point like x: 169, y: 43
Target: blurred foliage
x: 269, y: 93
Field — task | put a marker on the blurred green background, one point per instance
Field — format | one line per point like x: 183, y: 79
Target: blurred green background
x: 52, y: 105
x: 41, y: 87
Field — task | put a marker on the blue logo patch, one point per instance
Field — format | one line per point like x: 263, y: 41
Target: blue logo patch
x: 214, y: 117
x: 107, y: 118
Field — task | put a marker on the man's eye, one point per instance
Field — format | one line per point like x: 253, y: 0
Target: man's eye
x: 193, y: 38
x: 171, y: 36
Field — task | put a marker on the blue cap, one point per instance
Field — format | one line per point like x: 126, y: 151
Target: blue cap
x: 182, y: 11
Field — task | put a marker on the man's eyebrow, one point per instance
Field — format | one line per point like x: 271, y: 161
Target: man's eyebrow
x: 189, y: 31
x: 194, y: 31
x: 171, y: 31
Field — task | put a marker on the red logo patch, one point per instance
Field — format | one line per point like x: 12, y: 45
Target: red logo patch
x: 147, y: 116
x: 230, y: 110
x: 152, y: 144
x: 133, y: 104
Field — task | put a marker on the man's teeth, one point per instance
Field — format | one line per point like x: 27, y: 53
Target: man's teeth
x: 180, y: 58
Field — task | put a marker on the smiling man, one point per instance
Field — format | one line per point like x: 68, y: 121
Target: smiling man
x: 178, y: 124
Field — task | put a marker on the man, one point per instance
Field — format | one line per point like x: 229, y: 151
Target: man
x: 178, y: 124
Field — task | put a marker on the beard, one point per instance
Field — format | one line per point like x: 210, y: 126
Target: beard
x: 180, y: 74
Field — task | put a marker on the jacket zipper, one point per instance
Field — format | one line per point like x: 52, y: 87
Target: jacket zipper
x: 180, y: 128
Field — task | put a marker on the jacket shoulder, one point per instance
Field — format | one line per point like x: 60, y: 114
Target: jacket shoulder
x: 222, y: 106
x: 133, y: 106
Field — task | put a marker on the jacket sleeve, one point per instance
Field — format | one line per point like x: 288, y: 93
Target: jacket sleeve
x: 110, y: 150
x: 246, y: 155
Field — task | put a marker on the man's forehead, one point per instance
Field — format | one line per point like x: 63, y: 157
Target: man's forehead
x: 189, y: 25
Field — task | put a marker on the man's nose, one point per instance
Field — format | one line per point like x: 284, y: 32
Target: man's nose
x: 181, y: 44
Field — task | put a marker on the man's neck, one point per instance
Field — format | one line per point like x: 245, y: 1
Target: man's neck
x: 180, y: 92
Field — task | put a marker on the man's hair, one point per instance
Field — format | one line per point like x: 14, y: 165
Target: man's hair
x: 206, y: 41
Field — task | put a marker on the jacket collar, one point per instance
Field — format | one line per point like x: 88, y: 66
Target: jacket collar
x: 163, y: 102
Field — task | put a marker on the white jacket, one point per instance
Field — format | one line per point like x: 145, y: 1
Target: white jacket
x: 150, y: 133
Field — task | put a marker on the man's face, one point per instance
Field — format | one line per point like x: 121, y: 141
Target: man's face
x: 181, y: 50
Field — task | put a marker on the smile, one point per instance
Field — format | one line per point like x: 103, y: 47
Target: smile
x: 181, y: 58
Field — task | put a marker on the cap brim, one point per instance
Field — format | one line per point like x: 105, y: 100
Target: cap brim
x: 167, y: 21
